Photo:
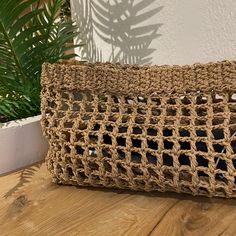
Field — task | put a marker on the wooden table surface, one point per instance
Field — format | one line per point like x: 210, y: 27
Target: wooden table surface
x: 32, y: 205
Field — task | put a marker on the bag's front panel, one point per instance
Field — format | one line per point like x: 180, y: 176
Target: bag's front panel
x: 177, y: 143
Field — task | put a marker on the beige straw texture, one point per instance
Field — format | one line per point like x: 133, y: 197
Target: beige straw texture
x: 164, y: 128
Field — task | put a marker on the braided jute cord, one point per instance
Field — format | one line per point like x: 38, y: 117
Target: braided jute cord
x: 143, y: 80
x: 150, y: 128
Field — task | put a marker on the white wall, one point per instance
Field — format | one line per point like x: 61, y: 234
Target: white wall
x: 129, y: 31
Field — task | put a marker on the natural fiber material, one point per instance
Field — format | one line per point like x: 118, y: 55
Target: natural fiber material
x: 165, y: 128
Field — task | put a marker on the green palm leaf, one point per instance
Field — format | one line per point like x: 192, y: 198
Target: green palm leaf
x: 27, y: 40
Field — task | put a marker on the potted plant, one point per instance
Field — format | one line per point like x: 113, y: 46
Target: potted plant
x: 31, y: 32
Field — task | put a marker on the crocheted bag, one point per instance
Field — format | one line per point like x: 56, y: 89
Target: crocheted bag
x: 164, y: 128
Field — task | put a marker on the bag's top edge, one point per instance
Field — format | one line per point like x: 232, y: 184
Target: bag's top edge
x: 135, y: 79
x: 76, y: 63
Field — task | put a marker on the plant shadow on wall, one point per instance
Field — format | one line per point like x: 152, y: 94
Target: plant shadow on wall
x: 121, y: 24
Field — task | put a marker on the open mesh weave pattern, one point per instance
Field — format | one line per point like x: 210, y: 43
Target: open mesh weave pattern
x: 165, y: 128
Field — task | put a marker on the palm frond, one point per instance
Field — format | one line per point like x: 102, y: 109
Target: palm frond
x: 27, y: 40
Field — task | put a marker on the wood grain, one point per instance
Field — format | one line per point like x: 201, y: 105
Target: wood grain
x: 32, y: 205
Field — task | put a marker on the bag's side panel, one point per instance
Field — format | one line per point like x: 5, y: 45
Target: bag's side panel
x: 176, y: 142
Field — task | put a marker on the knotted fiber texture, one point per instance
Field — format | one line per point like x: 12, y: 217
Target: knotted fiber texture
x: 164, y: 128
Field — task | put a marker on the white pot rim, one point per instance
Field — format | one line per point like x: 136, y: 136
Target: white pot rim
x: 20, y: 122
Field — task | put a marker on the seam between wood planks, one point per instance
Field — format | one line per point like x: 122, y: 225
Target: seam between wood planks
x: 161, y: 219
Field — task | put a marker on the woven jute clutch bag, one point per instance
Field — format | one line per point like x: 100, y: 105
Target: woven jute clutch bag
x: 164, y: 128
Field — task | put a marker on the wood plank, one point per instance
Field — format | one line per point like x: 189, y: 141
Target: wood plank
x: 32, y: 205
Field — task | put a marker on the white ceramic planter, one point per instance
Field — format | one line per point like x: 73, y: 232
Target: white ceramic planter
x: 21, y: 144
